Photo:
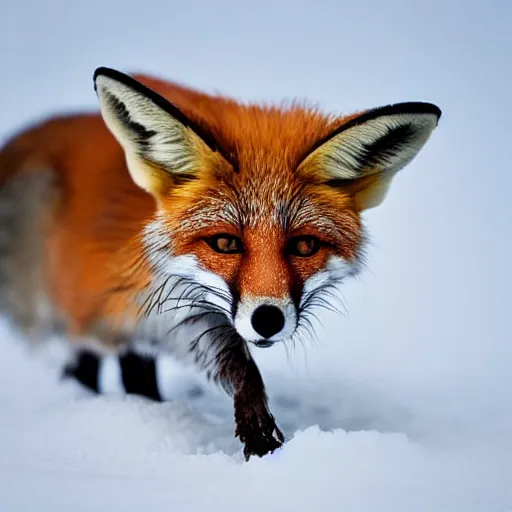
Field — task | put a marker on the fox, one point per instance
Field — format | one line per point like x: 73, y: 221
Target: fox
x: 175, y: 221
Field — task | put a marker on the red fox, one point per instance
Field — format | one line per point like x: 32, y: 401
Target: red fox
x: 191, y: 224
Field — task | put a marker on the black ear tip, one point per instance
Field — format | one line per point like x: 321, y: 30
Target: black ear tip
x: 111, y: 73
x: 99, y: 71
x: 102, y: 71
x: 415, y: 107
x: 438, y: 111
x: 432, y: 109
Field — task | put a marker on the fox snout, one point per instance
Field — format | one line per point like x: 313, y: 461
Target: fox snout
x: 265, y: 320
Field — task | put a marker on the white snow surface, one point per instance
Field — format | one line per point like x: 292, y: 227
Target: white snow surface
x: 406, y: 405
x: 351, y: 446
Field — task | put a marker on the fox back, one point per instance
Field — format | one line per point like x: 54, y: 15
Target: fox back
x: 191, y: 222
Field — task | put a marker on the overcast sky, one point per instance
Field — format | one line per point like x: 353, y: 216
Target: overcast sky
x: 433, y: 308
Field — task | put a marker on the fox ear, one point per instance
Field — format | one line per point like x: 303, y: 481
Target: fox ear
x: 365, y: 153
x: 161, y: 144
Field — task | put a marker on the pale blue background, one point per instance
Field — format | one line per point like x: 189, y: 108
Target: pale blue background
x: 431, y: 315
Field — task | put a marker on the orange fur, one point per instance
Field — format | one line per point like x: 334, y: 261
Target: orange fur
x: 94, y: 250
x: 246, y: 216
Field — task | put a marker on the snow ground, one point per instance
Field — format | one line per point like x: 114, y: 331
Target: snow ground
x: 351, y: 446
x: 412, y: 393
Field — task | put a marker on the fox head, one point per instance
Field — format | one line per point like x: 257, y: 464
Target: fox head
x: 258, y: 206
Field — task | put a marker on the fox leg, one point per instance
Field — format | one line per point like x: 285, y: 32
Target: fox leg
x: 232, y: 367
x: 137, y: 373
x: 255, y: 426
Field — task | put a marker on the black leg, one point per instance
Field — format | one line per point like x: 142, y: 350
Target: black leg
x: 139, y: 375
x: 85, y: 369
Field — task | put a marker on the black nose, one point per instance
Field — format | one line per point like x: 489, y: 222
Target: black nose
x: 267, y: 320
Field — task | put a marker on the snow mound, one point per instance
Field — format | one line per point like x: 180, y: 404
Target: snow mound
x: 349, y: 448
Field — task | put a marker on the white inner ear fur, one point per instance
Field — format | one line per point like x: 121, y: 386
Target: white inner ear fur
x: 168, y: 143
x: 343, y: 154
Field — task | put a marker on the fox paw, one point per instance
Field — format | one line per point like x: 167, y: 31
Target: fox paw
x: 257, y: 430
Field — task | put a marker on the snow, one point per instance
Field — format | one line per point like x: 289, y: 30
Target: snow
x: 406, y: 404
x: 350, y: 446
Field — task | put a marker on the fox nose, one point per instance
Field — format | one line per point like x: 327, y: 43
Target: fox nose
x: 267, y: 320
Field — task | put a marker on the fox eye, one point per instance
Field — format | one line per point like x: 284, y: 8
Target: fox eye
x: 304, y: 246
x: 225, y: 244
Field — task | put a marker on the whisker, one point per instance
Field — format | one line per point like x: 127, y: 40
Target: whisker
x: 192, y: 319
x: 198, y: 304
x: 195, y: 342
x: 215, y: 356
x: 326, y: 297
